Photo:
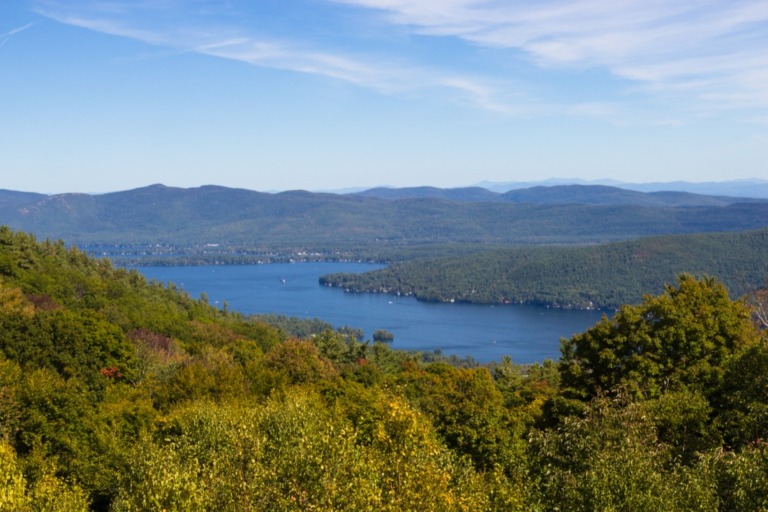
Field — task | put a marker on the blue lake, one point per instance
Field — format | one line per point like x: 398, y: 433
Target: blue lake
x: 524, y: 332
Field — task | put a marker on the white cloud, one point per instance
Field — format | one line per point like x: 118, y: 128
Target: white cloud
x: 698, y: 55
x: 230, y: 41
x: 716, y: 49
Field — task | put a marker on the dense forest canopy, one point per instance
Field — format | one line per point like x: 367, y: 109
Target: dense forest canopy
x: 126, y: 395
x: 604, y: 276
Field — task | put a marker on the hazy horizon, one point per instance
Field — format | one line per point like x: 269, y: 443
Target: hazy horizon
x: 495, y: 186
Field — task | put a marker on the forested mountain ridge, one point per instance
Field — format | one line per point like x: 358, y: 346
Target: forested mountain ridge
x: 603, y: 276
x: 298, y: 220
x: 122, y: 395
x: 11, y: 197
x: 605, y: 195
x: 734, y: 188
x: 560, y: 194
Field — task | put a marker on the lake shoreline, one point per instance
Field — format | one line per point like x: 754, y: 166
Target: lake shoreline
x: 486, y: 332
x: 312, y: 259
x: 398, y: 293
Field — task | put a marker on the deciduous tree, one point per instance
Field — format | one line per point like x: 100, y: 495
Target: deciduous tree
x: 681, y: 338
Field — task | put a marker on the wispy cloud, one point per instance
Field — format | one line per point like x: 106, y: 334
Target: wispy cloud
x: 700, y: 55
x: 383, y: 73
x: 5, y: 37
x: 713, y: 49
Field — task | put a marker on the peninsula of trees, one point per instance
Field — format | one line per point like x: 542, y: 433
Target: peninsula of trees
x: 597, y: 276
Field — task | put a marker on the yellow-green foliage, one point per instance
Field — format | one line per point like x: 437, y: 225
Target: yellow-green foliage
x: 612, y: 460
x: 118, y: 394
x: 743, y: 478
x: 296, y: 453
x: 12, y: 300
x: 12, y: 484
x: 48, y: 494
x: 51, y: 494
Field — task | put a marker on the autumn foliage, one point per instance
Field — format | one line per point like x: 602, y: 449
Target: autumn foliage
x: 127, y: 395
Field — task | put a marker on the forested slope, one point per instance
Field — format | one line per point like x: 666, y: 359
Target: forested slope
x: 119, y: 394
x: 243, y: 220
x: 574, y: 277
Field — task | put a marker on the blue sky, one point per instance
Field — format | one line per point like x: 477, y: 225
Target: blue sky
x: 97, y: 96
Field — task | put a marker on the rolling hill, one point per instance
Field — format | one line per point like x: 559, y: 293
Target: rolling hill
x: 300, y: 220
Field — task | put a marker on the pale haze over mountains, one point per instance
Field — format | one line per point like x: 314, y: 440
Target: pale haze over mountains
x: 755, y: 188
x: 747, y: 188
x: 736, y: 188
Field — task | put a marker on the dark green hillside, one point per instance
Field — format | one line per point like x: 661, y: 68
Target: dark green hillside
x: 595, y: 276
x: 291, y: 222
x: 121, y: 395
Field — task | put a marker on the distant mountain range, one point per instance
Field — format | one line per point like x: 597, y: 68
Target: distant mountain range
x: 467, y: 194
x: 376, y: 219
x: 735, y: 188
x: 11, y: 198
x: 560, y: 194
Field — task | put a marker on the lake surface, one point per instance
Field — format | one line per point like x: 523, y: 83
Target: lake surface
x: 486, y: 332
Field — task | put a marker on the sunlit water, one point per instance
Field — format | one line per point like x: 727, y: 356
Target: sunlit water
x: 525, y: 333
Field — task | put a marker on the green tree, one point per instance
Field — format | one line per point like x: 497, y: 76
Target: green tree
x: 383, y: 336
x: 48, y: 494
x: 509, y: 380
x: 741, y: 403
x: 682, y: 338
x: 467, y: 410
x: 743, y: 478
x: 683, y: 422
x: 612, y: 459
x: 295, y: 453
x: 12, y: 483
x: 57, y: 423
